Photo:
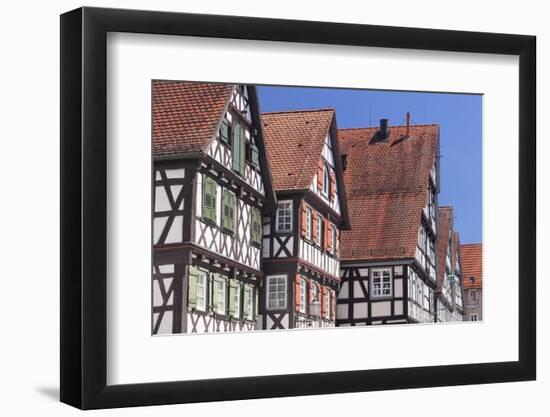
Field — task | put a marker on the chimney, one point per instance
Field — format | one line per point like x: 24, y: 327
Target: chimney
x: 408, y: 124
x: 383, y: 133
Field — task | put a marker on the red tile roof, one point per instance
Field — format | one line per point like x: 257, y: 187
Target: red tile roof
x: 386, y: 186
x: 444, y: 228
x: 186, y: 115
x: 295, y: 142
x: 472, y: 265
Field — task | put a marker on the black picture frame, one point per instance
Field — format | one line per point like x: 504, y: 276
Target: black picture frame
x: 84, y: 207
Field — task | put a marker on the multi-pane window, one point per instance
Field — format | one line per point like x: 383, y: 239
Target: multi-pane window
x: 220, y: 291
x: 328, y: 303
x: 303, y: 295
x: 236, y: 300
x: 276, y: 292
x: 333, y: 238
x: 381, y: 283
x: 319, y: 227
x: 248, y: 302
x: 309, y: 221
x: 284, y: 216
x: 201, y: 286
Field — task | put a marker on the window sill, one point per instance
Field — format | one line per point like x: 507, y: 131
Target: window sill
x: 227, y: 231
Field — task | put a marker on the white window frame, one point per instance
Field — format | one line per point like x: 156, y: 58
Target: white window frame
x: 378, y: 293
x: 303, y: 295
x: 270, y: 292
x: 319, y: 226
x: 287, y: 206
x: 218, y: 310
x: 249, y: 309
x: 328, y: 303
x: 309, y: 222
x: 237, y: 300
x: 326, y: 180
x: 333, y: 239
x: 202, y: 290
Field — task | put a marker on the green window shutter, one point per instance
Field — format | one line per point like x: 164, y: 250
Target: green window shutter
x: 242, y: 152
x: 254, y: 156
x: 229, y: 206
x: 238, y: 151
x: 256, y: 226
x: 224, y: 131
x: 192, y: 287
x: 209, y: 199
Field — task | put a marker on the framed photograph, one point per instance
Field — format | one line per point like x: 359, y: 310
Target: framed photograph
x: 256, y: 208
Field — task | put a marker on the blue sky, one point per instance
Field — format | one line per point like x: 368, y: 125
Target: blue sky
x: 459, y: 117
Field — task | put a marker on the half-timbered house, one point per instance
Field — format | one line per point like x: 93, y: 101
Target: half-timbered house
x: 301, y: 243
x: 472, y: 280
x: 457, y: 287
x: 449, y: 286
x: 388, y: 258
x: 212, y: 187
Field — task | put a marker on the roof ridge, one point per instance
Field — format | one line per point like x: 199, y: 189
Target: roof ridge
x: 394, y: 126
x: 299, y: 111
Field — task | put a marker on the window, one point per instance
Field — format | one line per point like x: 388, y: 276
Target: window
x: 248, y: 302
x: 220, y: 291
x: 333, y: 238
x: 234, y: 299
x: 326, y: 180
x: 309, y: 221
x: 209, y: 191
x: 225, y: 132
x: 319, y: 229
x: 473, y: 317
x: 327, y: 303
x: 474, y: 296
x: 381, y: 283
x: 276, y: 292
x: 202, y: 283
x: 228, y: 214
x: 256, y: 226
x: 284, y: 216
x: 197, y: 289
x: 303, y: 295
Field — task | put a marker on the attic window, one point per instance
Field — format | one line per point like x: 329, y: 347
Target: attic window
x: 326, y: 179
